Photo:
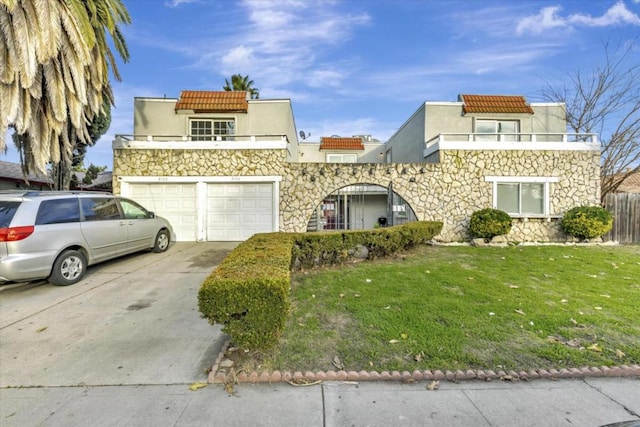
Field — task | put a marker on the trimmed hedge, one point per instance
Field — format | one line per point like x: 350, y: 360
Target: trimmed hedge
x: 488, y: 223
x: 248, y: 293
x: 587, y: 222
x: 327, y: 248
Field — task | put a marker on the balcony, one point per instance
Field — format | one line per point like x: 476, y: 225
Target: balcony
x: 192, y: 142
x: 512, y: 141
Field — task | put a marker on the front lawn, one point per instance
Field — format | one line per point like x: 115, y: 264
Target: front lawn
x: 460, y: 307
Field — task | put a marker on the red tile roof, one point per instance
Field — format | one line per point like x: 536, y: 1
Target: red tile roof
x: 495, y: 104
x: 340, y: 143
x: 202, y: 101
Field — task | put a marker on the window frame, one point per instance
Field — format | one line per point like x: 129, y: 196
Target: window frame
x: 58, y: 211
x: 214, y: 126
x: 544, y: 180
x: 342, y: 157
x: 496, y: 135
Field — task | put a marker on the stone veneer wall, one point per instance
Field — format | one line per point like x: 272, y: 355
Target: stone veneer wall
x: 145, y: 162
x: 449, y: 191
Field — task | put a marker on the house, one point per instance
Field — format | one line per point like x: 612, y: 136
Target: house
x: 337, y: 149
x: 355, y: 206
x: 209, y: 161
x: 630, y: 184
x: 221, y: 166
x: 12, y: 178
x: 102, y: 182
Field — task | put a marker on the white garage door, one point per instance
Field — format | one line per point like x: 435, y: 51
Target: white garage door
x: 237, y: 211
x: 176, y: 202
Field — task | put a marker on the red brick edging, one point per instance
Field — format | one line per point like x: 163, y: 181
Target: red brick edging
x: 219, y: 376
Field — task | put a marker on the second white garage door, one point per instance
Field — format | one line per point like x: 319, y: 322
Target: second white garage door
x: 237, y: 211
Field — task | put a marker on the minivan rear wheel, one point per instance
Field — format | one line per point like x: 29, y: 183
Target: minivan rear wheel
x: 162, y: 241
x: 69, y: 268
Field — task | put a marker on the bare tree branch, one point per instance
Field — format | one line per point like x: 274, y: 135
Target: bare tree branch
x: 606, y: 100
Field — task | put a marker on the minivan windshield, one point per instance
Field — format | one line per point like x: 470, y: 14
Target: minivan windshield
x: 7, y: 211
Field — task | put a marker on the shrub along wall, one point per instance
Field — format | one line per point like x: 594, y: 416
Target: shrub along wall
x: 249, y: 291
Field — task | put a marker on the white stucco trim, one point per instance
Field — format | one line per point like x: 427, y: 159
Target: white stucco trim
x: 254, y: 144
x: 521, y: 179
x: 511, y: 145
x: 195, y: 179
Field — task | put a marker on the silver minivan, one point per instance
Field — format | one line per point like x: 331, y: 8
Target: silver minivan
x: 56, y: 235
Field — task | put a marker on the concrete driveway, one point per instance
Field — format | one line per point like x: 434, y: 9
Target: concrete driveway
x: 130, y: 321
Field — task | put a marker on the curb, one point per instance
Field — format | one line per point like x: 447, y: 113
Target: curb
x: 220, y: 375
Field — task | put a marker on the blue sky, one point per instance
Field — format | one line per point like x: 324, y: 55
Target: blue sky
x: 358, y: 67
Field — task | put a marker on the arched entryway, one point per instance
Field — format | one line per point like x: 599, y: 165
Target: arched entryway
x: 359, y: 207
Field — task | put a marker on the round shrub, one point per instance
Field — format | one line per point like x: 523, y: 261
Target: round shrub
x: 487, y: 223
x: 586, y: 222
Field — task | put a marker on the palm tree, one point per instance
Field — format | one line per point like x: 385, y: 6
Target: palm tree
x: 241, y: 83
x: 54, y: 73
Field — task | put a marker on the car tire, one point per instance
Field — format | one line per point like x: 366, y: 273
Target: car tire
x: 162, y: 241
x: 69, y: 268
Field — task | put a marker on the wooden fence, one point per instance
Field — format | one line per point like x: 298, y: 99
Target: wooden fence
x: 625, y: 208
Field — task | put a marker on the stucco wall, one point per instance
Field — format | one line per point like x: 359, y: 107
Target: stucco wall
x: 449, y: 191
x: 434, y: 118
x: 157, y: 117
x: 407, y: 143
x: 310, y: 153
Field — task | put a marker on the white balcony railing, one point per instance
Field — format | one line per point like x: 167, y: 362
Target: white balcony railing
x: 514, y: 137
x: 168, y: 138
x: 189, y: 142
x: 512, y: 141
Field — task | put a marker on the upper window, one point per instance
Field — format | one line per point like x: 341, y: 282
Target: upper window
x: 209, y: 129
x: 497, y: 130
x: 58, y: 211
x: 521, y: 196
x: 342, y: 158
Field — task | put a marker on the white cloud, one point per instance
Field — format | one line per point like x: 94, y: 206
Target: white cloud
x: 546, y: 19
x: 325, y: 77
x: 549, y: 18
x: 284, y: 43
x: 177, y: 3
x: 618, y: 14
x: 239, y: 57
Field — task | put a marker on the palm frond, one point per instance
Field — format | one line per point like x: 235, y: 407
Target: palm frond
x: 24, y: 44
x: 8, y: 67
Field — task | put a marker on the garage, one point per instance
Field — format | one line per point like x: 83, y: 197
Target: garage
x: 176, y: 202
x: 237, y: 211
x: 211, y: 209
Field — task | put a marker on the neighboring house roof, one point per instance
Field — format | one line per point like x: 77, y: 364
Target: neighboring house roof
x: 631, y: 184
x: 202, y: 101
x: 102, y: 182
x: 13, y: 172
x: 340, y: 143
x: 495, y: 104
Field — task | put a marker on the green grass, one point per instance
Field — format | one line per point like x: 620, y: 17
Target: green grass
x: 447, y: 307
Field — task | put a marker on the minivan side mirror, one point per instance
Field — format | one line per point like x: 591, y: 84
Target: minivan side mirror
x: 151, y: 214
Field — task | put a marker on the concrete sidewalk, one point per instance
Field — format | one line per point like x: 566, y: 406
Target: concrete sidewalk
x: 567, y: 402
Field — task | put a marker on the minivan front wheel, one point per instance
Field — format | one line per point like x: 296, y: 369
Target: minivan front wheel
x: 69, y: 268
x: 162, y: 241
